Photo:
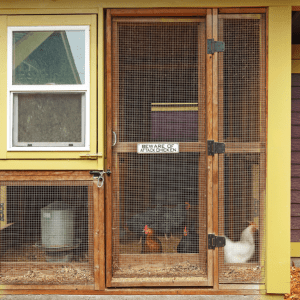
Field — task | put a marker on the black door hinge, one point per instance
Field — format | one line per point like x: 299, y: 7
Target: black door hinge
x: 215, y: 148
x: 2, y: 212
x: 215, y: 241
x: 214, y: 46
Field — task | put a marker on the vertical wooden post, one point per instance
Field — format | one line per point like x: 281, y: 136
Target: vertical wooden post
x: 101, y: 255
x: 215, y: 134
x: 209, y: 136
x: 96, y: 233
x: 108, y: 186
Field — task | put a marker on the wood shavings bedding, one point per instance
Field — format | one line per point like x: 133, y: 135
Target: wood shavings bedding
x: 295, y: 284
x: 181, y: 269
x: 54, y: 275
x: 242, y: 275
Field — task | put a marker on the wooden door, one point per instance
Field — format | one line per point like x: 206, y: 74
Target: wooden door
x: 242, y: 127
x: 158, y: 209
x: 164, y: 94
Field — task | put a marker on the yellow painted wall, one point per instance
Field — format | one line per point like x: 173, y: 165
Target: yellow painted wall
x: 279, y: 151
x: 74, y: 157
x: 3, y: 94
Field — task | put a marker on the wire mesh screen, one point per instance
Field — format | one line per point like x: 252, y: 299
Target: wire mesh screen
x: 242, y: 127
x: 159, y: 200
x: 46, y: 233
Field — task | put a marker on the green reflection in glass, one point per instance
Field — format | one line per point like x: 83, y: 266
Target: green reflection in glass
x: 49, y: 57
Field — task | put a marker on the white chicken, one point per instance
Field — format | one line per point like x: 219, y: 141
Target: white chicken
x: 243, y: 250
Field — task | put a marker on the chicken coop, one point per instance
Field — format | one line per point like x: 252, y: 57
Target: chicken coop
x: 144, y: 148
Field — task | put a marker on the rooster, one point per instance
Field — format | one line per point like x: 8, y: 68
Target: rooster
x: 243, y: 250
x: 189, y: 242
x: 150, y: 242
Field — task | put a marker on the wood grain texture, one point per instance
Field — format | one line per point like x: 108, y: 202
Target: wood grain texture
x: 209, y: 136
x: 296, y: 105
x: 215, y: 171
x: 241, y: 10
x: 295, y: 118
x: 295, y: 92
x: 96, y: 231
x: 295, y: 183
x: 101, y: 207
x: 158, y: 12
x: 108, y: 185
x: 295, y: 210
x: 295, y: 132
x: 295, y: 157
x: 295, y: 144
x: 295, y: 196
x: 295, y: 80
x: 295, y: 170
x: 295, y: 223
x: 295, y: 236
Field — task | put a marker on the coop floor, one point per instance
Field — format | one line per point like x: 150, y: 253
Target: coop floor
x: 131, y: 265
x: 28, y: 265
x: 242, y: 274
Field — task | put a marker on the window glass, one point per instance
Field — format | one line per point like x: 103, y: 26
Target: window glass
x: 43, y: 118
x: 48, y: 57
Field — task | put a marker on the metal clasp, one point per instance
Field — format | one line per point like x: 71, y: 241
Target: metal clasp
x: 100, y: 174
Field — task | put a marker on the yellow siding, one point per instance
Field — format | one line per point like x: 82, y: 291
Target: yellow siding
x: 3, y: 95
x: 52, y: 20
x: 279, y: 151
x: 36, y: 164
x: 295, y: 249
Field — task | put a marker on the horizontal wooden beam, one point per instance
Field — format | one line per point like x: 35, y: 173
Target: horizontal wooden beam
x: 45, y: 175
x: 243, y: 10
x: 158, y: 12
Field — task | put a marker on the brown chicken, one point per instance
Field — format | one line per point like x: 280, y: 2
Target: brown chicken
x: 150, y: 242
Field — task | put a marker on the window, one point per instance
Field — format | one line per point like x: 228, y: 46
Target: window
x: 48, y: 88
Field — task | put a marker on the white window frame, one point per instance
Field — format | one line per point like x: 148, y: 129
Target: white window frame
x: 57, y: 88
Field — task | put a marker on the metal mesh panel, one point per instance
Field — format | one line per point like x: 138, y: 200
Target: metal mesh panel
x: 46, y: 233
x: 242, y: 127
x: 159, y: 200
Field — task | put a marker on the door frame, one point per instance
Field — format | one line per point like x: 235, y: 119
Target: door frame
x: 212, y: 132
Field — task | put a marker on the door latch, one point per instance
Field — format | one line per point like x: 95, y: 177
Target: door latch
x: 215, y: 148
x: 215, y: 241
x: 99, y: 175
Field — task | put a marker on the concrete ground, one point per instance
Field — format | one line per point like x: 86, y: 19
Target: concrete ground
x: 86, y: 297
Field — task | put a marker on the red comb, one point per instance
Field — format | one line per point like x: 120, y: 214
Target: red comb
x: 185, y: 232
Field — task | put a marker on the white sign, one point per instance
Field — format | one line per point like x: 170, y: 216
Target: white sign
x: 158, y: 148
